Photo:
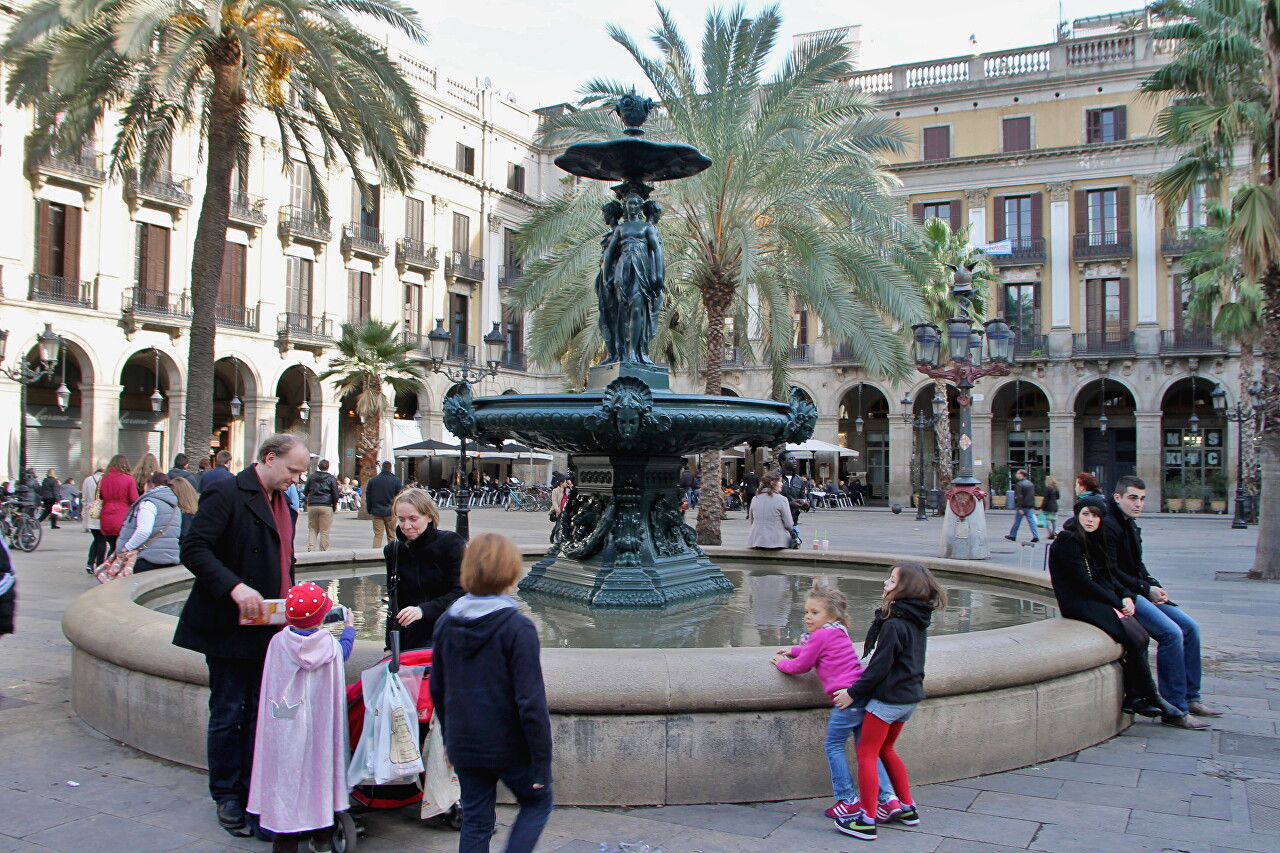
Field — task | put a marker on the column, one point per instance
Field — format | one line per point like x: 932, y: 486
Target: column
x: 329, y: 413
x: 1060, y: 268
x: 1149, y: 454
x: 901, y: 448
x: 11, y: 401
x: 977, y: 199
x: 99, y: 424
x: 176, y: 428
x: 983, y: 446
x: 827, y: 429
x: 1146, y: 249
x: 1062, y: 449
x: 259, y: 422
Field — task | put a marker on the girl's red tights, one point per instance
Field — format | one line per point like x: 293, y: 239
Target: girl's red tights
x: 878, y: 738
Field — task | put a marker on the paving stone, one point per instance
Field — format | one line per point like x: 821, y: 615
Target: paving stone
x: 111, y: 834
x: 946, y: 796
x: 1166, y: 800
x: 1143, y: 761
x: 23, y: 814
x: 1203, y: 830
x: 17, y: 845
x: 1074, y: 839
x: 1012, y: 783
x: 968, y: 826
x: 737, y: 820
x: 1052, y: 811
x: 630, y: 826
x: 1198, y: 783
x: 1214, y: 807
x: 1073, y: 771
x: 198, y: 820
x: 1249, y: 746
x: 692, y: 840
x: 955, y: 845
x: 821, y: 834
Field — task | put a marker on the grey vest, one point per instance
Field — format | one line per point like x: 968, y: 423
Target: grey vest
x: 163, y: 550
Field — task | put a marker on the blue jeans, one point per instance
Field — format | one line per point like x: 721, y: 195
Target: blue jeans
x: 845, y: 722
x: 1031, y: 519
x: 234, y: 685
x: 479, y: 789
x: 1177, y: 651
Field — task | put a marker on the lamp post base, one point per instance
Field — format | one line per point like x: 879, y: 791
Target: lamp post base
x: 922, y: 512
x: 965, y: 538
x: 1239, y: 523
x: 463, y: 525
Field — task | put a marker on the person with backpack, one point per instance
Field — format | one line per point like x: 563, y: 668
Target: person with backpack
x: 321, y: 499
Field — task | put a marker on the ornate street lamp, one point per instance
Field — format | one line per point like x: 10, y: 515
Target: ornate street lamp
x: 921, y: 422
x: 1102, y: 418
x: 157, y: 399
x: 63, y: 394
x: 49, y: 347
x: 1238, y: 415
x: 236, y: 405
x: 1017, y: 404
x: 859, y: 423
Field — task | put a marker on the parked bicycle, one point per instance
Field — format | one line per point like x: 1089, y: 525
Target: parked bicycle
x: 20, y: 529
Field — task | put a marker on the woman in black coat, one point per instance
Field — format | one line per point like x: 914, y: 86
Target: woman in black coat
x: 1086, y: 589
x: 424, y: 565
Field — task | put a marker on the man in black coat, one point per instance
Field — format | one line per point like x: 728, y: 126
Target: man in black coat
x: 795, y: 489
x: 240, y: 549
x: 219, y: 472
x: 750, y: 485
x: 320, y: 497
x: 379, y: 492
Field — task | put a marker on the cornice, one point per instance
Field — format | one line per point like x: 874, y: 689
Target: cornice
x: 1021, y: 156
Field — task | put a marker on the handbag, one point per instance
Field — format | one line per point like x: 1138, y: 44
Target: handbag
x: 121, y: 563
x: 95, y: 508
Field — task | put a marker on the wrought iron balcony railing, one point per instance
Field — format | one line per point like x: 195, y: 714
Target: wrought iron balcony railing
x: 62, y: 291
x: 1026, y: 250
x: 248, y: 209
x: 158, y: 304
x: 1103, y: 244
x: 82, y: 167
x: 236, y: 316
x: 305, y: 327
x: 461, y: 265
x: 1102, y: 343
x: 843, y: 354
x: 508, y: 273
x: 363, y: 239
x: 802, y: 354
x: 164, y: 188
x: 513, y: 361
x: 1031, y: 345
x: 1196, y: 339
x: 1175, y: 242
x: 303, y: 223
x: 411, y: 252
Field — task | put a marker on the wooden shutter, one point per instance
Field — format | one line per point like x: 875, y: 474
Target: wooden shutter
x: 1092, y: 125
x: 1037, y: 218
x: 44, y: 259
x: 1124, y: 305
x: 158, y: 261
x: 1095, y: 306
x: 71, y: 242
x: 1082, y: 212
x: 413, y: 218
x: 1122, y: 208
x: 937, y: 143
x: 953, y: 207
x: 299, y: 185
x: 357, y: 203
x: 997, y: 220
x: 917, y: 213
x: 462, y: 233
x: 1178, y: 308
x: 1120, y: 114
x: 1017, y: 133
x: 231, y: 284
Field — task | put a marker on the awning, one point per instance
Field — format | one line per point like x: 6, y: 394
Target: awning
x: 813, y: 445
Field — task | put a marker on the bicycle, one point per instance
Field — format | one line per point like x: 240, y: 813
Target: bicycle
x: 522, y: 499
x: 19, y: 528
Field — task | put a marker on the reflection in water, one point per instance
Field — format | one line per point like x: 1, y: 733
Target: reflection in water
x: 766, y: 608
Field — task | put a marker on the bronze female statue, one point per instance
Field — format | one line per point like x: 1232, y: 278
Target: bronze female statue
x: 630, y: 287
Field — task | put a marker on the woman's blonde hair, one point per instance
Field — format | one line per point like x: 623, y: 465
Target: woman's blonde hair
x: 490, y: 565
x: 1050, y: 481
x: 915, y: 583
x: 421, y: 500
x: 146, y: 466
x: 188, y: 500
x: 769, y: 482
x: 832, y: 599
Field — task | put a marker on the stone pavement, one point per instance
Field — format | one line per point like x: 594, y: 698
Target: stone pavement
x: 1151, y: 789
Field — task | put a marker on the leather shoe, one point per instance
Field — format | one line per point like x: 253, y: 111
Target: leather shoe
x: 1011, y: 538
x: 1186, y: 721
x: 231, y: 817
x: 1141, y: 707
x: 1202, y: 710
x: 1035, y: 538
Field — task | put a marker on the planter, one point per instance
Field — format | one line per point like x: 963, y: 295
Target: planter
x: 999, y: 501
x: 1175, y: 504
x: 1220, y: 507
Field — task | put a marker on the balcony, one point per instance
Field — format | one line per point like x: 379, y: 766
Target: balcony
x: 1175, y: 242
x: 164, y: 189
x: 802, y: 354
x: 82, y: 168
x: 358, y: 239
x: 160, y: 310
x: 415, y: 254
x: 1026, y: 250
x: 1102, y: 343
x: 1103, y: 245
x: 513, y: 361
x: 1190, y: 341
x: 843, y: 355
x: 508, y: 273
x: 462, y: 352
x: 732, y: 357
x: 235, y: 316
x: 463, y: 266
x: 303, y: 224
x: 248, y: 209
x: 1031, y: 346
x: 62, y: 291
x: 304, y: 331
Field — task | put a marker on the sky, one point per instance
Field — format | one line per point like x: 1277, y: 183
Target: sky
x: 543, y: 50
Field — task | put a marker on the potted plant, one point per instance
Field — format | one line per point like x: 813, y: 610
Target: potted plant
x: 1000, y: 486
x: 1193, y: 492
x: 1216, y: 483
x: 1173, y: 496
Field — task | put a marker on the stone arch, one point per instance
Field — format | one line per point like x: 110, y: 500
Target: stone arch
x: 1196, y: 458
x: 726, y: 391
x: 141, y: 429
x: 1078, y: 394
x: 878, y: 412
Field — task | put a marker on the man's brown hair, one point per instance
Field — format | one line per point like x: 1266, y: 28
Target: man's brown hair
x: 490, y: 565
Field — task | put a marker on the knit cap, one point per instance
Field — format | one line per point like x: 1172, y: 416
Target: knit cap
x: 1095, y: 502
x: 306, y: 605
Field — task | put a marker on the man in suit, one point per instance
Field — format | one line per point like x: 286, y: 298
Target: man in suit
x: 240, y: 549
x: 750, y: 485
x: 795, y: 489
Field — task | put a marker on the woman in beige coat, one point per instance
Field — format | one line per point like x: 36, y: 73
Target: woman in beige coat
x: 770, y: 516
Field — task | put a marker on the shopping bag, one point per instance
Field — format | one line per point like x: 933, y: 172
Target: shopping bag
x: 119, y: 566
x: 440, y: 788
x: 388, y: 747
x: 1041, y: 519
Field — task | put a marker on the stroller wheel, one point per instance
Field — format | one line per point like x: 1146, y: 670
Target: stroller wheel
x: 345, y: 834
x: 453, y: 817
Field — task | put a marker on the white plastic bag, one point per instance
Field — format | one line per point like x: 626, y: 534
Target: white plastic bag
x: 440, y: 788
x: 388, y: 747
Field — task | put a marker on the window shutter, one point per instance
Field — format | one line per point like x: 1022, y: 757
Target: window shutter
x: 1179, y: 310
x: 1095, y: 306
x: 1037, y: 216
x: 997, y: 219
x: 71, y: 243
x: 1092, y: 125
x: 139, y: 255
x: 413, y: 218
x: 937, y: 143
x: 954, y: 209
x: 1082, y: 212
x: 1035, y: 307
x: 461, y: 234
x: 158, y: 264
x: 44, y: 261
x: 917, y: 213
x: 1016, y: 133
x: 1121, y: 120
x: 1124, y: 305
x: 1122, y: 208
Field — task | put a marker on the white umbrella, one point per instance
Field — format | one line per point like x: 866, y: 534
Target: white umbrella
x: 813, y: 446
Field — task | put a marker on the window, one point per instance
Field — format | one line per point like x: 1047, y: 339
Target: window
x: 515, y: 177
x: 300, y: 194
x: 1016, y: 133
x: 1029, y: 448
x: 413, y: 302
x: 359, y: 295
x: 799, y: 325
x: 299, y: 274
x: 58, y: 239
x: 240, y: 177
x: 1194, y: 212
x: 231, y: 285
x: 1017, y: 218
x: 365, y: 209
x: 1183, y: 321
x: 513, y: 328
x: 947, y: 211
x: 1022, y: 308
x: 510, y: 259
x: 151, y: 265
x: 1104, y: 125
x: 1102, y: 213
x: 1102, y: 218
x: 466, y: 159
x: 462, y: 234
x: 414, y: 218
x: 1107, y: 308
x: 937, y: 143
x: 459, y: 315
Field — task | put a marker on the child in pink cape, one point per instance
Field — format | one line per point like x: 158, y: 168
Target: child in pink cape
x: 300, y: 760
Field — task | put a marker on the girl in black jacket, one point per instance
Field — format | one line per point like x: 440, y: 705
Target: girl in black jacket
x: 423, y: 566
x: 891, y: 686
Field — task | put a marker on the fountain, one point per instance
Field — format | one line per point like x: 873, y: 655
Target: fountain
x: 622, y: 541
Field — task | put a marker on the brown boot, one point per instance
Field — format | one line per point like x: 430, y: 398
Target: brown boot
x: 286, y: 842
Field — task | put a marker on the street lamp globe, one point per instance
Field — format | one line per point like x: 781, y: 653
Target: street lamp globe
x: 958, y: 329
x: 304, y: 411
x: 64, y: 396
x: 4, y: 343
x: 49, y: 343
x: 1000, y: 341
x: 157, y: 401
x: 939, y: 405
x: 236, y: 406
x: 926, y: 341
x: 1218, y: 396
x: 908, y: 406
x: 438, y: 341
x: 495, y: 343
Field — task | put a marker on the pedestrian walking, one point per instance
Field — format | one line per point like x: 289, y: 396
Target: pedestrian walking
x: 118, y: 491
x: 50, y: 496
x: 827, y: 648
x: 795, y: 489
x: 1049, y: 506
x: 892, y: 685
x: 153, y: 527
x: 1087, y: 484
x: 486, y: 683
x: 750, y: 487
x: 299, y: 777
x: 179, y: 469
x: 426, y: 563
x: 91, y: 519
x: 219, y: 472
x: 379, y: 493
x: 240, y: 550
x: 1024, y: 505
x: 321, y: 499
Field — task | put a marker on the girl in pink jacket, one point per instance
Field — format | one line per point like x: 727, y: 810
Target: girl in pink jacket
x: 827, y: 648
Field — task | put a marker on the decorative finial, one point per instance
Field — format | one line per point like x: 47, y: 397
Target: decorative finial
x: 634, y: 111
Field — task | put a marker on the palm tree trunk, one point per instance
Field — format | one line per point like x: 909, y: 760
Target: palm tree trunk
x: 1249, y: 447
x: 226, y: 104
x: 1266, y: 564
x: 716, y: 298
x: 942, y: 431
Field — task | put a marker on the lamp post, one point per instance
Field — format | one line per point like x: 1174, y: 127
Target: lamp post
x: 965, y: 530
x: 921, y: 422
x: 49, y: 346
x: 1238, y: 415
x: 465, y: 374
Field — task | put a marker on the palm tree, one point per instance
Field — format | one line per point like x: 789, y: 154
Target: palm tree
x: 370, y: 356
x: 1222, y: 295
x: 793, y: 214
x: 1224, y: 91
x: 166, y: 66
x: 949, y: 249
